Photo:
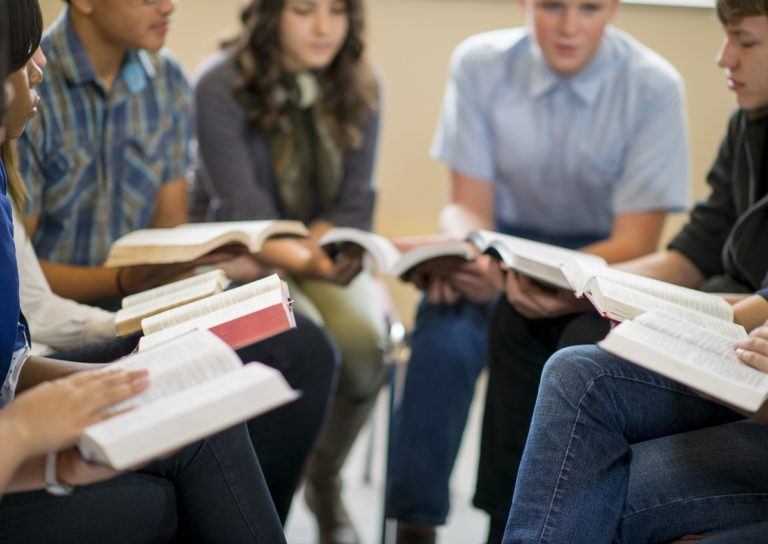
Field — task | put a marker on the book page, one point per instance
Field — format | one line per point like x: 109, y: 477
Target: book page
x: 208, y: 305
x: 184, y: 362
x: 256, y: 231
x: 208, y: 320
x: 422, y: 254
x: 692, y: 345
x: 691, y: 298
x: 383, y: 252
x: 215, y: 279
x: 150, y: 431
x: 630, y: 303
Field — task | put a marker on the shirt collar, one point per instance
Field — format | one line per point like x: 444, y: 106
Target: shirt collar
x: 77, y: 67
x: 585, y: 83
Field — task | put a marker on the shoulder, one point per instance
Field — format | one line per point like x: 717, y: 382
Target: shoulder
x: 217, y: 71
x: 640, y: 65
x: 490, y: 50
x: 167, y: 67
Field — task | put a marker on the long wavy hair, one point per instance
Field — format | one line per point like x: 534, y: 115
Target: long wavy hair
x: 348, y: 83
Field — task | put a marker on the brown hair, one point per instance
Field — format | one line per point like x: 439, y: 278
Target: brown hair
x: 348, y: 82
x: 732, y: 11
x: 16, y: 189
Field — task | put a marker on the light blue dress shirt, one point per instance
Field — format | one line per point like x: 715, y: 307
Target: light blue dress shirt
x: 566, y: 154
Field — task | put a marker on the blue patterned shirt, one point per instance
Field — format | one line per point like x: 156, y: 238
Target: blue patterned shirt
x: 94, y: 160
x: 566, y: 154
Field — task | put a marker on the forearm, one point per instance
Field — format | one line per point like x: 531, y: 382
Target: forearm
x: 457, y: 221
x: 41, y: 369
x: 751, y: 312
x: 12, y: 454
x: 670, y: 266
x: 81, y: 283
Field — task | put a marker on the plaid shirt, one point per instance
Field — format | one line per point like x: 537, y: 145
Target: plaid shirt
x: 94, y: 160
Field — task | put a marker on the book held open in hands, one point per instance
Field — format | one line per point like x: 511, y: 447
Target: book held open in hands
x: 190, y: 241
x: 388, y: 258
x: 690, y: 354
x: 240, y: 316
x: 154, y: 301
x: 197, y: 387
x: 539, y: 261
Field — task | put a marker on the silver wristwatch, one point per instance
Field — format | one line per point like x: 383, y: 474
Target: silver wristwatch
x: 52, y: 485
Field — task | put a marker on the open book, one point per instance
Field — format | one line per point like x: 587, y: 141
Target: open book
x: 153, y: 301
x: 620, y: 295
x: 198, y: 386
x: 240, y: 316
x: 390, y: 260
x: 539, y: 261
x: 690, y: 354
x: 188, y: 242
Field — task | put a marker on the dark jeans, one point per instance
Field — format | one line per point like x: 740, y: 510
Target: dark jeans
x: 518, y: 349
x: 283, y: 437
x: 210, y: 492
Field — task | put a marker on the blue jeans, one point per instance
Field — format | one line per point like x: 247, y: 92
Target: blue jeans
x: 447, y: 355
x: 210, y: 492
x: 616, y: 453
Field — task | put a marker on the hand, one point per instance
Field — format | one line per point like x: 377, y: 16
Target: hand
x: 243, y: 269
x: 133, y: 279
x: 478, y: 281
x: 340, y: 269
x: 72, y: 469
x: 535, y: 301
x: 754, y: 349
x: 54, y: 414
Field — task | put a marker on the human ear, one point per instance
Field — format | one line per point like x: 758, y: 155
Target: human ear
x: 83, y: 6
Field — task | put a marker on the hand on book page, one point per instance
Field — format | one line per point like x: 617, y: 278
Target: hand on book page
x: 754, y: 349
x: 536, y: 301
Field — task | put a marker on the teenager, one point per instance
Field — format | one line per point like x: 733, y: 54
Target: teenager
x: 108, y: 75
x: 288, y: 122
x: 171, y: 497
x: 648, y: 428
x: 566, y: 131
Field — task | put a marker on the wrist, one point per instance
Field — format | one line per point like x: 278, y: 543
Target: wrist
x: 55, y: 482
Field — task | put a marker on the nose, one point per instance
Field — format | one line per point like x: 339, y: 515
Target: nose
x: 322, y: 21
x: 569, y: 21
x: 167, y: 6
x: 726, y: 56
x: 39, y: 58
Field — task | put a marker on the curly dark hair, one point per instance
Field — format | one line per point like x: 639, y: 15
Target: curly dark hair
x: 348, y: 83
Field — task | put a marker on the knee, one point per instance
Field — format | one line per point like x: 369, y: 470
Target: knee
x: 572, y: 369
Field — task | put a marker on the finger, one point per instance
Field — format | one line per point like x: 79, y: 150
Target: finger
x: 433, y: 290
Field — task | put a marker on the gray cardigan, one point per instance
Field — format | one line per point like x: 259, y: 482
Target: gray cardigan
x: 235, y: 169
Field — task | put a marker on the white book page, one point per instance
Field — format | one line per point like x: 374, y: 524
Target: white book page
x: 208, y: 305
x: 169, y: 301
x: 214, y: 280
x: 688, y: 343
x: 383, y: 252
x: 635, y: 302
x: 691, y: 298
x: 150, y: 431
x: 256, y: 231
x: 209, y: 320
x: 189, y: 360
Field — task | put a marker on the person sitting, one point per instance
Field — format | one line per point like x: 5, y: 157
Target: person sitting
x: 46, y: 403
x: 566, y: 131
x: 288, y: 129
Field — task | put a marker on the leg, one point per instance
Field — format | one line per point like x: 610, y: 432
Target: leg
x: 284, y: 437
x: 703, y: 481
x: 517, y: 350
x: 446, y: 359
x: 358, y: 328
x: 129, y: 509
x: 221, y: 493
x: 591, y: 408
x: 752, y: 534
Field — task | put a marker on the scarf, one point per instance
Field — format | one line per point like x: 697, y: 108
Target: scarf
x: 305, y: 149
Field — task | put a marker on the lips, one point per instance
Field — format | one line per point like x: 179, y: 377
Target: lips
x: 566, y: 50
x: 735, y: 85
x: 162, y: 28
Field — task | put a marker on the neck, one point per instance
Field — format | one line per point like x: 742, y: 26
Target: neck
x: 105, y: 55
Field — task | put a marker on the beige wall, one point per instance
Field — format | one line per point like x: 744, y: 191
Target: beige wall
x: 410, y: 40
